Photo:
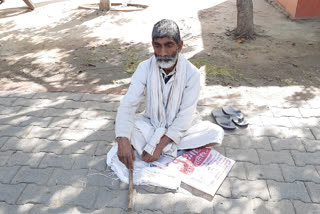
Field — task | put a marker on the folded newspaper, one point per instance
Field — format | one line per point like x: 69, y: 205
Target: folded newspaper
x: 203, y: 169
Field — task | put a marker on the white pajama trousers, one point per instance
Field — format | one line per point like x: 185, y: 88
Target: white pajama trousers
x: 200, y: 134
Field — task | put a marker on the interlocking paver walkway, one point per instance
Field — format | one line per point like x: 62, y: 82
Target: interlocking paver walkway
x: 53, y: 148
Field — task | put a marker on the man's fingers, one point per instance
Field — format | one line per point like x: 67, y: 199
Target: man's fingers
x: 133, y: 156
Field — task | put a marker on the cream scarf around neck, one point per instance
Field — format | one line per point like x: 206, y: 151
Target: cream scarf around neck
x: 160, y: 117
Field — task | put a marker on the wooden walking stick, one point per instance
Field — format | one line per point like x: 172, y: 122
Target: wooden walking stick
x: 130, y: 204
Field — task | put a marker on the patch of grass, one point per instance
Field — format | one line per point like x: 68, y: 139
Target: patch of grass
x: 132, y: 62
x: 131, y: 65
x: 212, y: 69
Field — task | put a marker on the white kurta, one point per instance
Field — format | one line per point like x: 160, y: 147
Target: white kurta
x: 187, y: 130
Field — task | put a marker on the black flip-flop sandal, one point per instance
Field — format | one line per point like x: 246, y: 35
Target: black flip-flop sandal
x: 223, y: 120
x: 232, y: 112
x: 240, y: 122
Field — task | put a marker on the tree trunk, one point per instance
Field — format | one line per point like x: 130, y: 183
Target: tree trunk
x: 245, y: 27
x: 104, y: 5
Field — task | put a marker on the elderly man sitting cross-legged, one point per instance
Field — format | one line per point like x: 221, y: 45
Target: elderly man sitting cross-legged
x: 170, y: 121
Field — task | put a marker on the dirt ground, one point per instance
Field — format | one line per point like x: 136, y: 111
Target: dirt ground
x: 59, y: 47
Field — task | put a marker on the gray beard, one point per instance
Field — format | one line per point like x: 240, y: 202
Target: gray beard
x: 166, y: 61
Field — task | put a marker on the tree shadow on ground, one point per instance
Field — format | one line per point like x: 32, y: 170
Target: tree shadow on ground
x: 77, y: 66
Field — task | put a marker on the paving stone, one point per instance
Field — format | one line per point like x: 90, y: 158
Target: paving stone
x: 238, y: 170
x: 100, y: 136
x: 314, y: 103
x: 58, y: 96
x: 264, y: 172
x: 285, y: 112
x: 43, y: 133
x: 44, y: 145
x: 104, y: 179
x: 98, y: 124
x: 316, y: 133
x: 40, y: 194
x: 36, y: 121
x: 98, y: 114
x: 259, y: 110
x: 7, y: 173
x: 71, y: 123
x: 73, y: 177
x: 10, y: 193
x: 234, y: 206
x: 70, y: 104
x: 309, y: 112
x: 4, y: 156
x: 255, y: 143
x: 31, y: 111
x: 89, y: 162
x: 7, y: 101
x: 15, y: 209
x: 42, y: 209
x: 281, y: 132
x: 306, y: 173
x: 254, y: 120
x: 38, y: 103
x: 53, y: 160
x: 28, y: 175
x: 306, y: 208
x: 110, y: 210
x: 103, y: 147
x: 311, y: 145
x: 62, y: 113
x: 291, y: 191
x: 102, y: 97
x: 268, y: 207
x: 92, y: 105
x: 306, y: 158
x: 13, y: 131
x: 225, y: 189
x: 12, y: 120
x: 300, y: 133
x: 18, y: 94
x: 84, y: 197
x: 189, y: 204
x: 117, y: 199
x: 314, y: 191
x: 238, y: 131
x: 232, y: 141
x: 17, y: 144
x: 160, y: 202
x: 25, y: 159
x: 12, y: 111
x: 219, y: 149
x: 276, y: 121
x: 268, y: 157
x: 81, y: 148
x: 305, y: 122
x: 287, y: 144
x: 72, y: 134
x: 257, y: 188
x: 274, y: 131
x: 295, y: 104
x: 248, y: 155
x: 3, y: 140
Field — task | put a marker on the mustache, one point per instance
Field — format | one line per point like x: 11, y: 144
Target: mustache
x: 165, y: 58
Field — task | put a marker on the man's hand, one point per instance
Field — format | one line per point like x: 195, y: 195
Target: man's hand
x: 164, y: 141
x: 125, y: 152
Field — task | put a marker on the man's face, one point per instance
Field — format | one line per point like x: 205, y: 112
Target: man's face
x: 166, y: 51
